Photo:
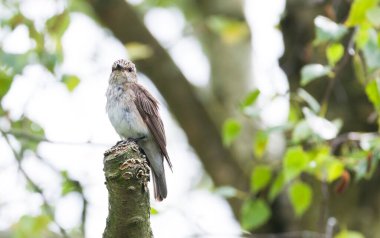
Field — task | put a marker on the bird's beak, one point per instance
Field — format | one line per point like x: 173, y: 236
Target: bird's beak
x: 118, y: 67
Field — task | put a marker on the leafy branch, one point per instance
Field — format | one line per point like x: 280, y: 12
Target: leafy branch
x: 315, y: 152
x: 349, y: 52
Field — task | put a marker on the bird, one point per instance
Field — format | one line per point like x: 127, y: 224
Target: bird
x: 133, y: 112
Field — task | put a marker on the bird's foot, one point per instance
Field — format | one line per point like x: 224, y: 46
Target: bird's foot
x: 136, y: 140
x: 120, y: 142
x: 130, y: 139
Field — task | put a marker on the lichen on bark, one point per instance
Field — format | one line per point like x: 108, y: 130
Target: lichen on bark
x: 127, y: 173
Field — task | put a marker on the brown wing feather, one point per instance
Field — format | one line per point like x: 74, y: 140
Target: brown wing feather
x: 147, y: 106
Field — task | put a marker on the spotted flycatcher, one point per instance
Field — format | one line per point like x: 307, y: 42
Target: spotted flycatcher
x: 133, y: 112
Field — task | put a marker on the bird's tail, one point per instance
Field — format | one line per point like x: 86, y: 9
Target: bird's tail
x: 156, y: 164
x: 159, y: 186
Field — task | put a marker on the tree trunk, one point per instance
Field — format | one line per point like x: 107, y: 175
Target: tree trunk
x: 127, y: 174
x: 230, y: 62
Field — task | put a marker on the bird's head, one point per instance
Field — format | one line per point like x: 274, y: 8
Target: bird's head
x: 123, y: 71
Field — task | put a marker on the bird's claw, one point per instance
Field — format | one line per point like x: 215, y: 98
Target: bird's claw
x: 136, y: 140
x: 120, y: 142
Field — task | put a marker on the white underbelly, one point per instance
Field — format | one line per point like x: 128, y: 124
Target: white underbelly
x: 127, y: 122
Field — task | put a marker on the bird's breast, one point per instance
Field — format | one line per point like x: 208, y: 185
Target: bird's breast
x: 124, y: 116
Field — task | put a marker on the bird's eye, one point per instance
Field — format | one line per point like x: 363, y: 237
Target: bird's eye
x: 130, y: 69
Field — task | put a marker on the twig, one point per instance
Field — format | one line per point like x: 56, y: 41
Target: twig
x: 336, y: 70
x: 84, y: 199
x: 290, y: 234
x: 47, y: 163
x: 46, y: 204
x: 31, y: 137
x: 331, y: 224
x: 84, y: 215
x: 350, y: 136
x: 324, y: 211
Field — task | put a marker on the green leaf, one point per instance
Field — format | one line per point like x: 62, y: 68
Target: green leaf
x: 327, y: 30
x: 49, y: 60
x: 153, y: 211
x: 5, y: 82
x: 81, y: 7
x: 320, y: 163
x: 255, y: 213
x: 335, y: 169
x: 371, y: 51
x: 358, y: 12
x: 26, y: 125
x: 37, y: 36
x: 295, y: 162
x: 311, y: 72
x: 362, y: 36
x: 138, y: 51
x: 31, y: 226
x: 357, y: 162
x: 301, y: 132
x: 359, y: 69
x: 373, y: 16
x: 17, y: 19
x: 226, y: 191
x: 260, y: 177
x: 334, y: 53
x: 161, y: 3
x: 294, y: 113
x: 349, y: 234
x: 300, y: 195
x: 320, y: 126
x: 69, y: 185
x: 277, y: 186
x: 58, y: 24
x: 231, y: 30
x: 373, y: 93
x: 260, y: 143
x: 250, y: 99
x: 231, y: 130
x: 309, y: 99
x: 15, y: 63
x: 71, y: 81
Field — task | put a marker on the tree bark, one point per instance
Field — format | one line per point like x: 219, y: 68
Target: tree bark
x: 127, y: 174
x: 230, y: 62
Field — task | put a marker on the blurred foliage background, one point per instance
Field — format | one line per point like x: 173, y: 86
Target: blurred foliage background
x: 315, y: 174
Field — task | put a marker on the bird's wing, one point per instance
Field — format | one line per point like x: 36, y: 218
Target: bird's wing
x: 147, y: 106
